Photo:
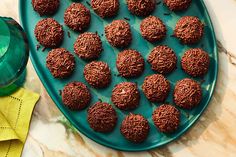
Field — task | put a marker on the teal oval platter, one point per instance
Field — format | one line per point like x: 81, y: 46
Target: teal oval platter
x: 78, y: 119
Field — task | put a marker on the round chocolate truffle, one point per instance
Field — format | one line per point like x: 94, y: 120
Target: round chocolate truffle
x: 130, y: 63
x: 141, y: 7
x: 166, y: 118
x: 97, y: 74
x: 156, y: 88
x: 77, y: 17
x: 153, y: 29
x: 49, y: 33
x: 125, y: 96
x: 135, y: 128
x: 76, y: 96
x: 177, y: 5
x: 195, y: 62
x: 102, y: 117
x: 60, y: 62
x: 162, y: 59
x: 46, y: 7
x: 105, y: 8
x: 118, y: 33
x: 189, y: 30
x: 187, y: 93
x: 88, y: 46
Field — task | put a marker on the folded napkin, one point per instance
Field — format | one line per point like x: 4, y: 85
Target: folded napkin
x: 15, y: 115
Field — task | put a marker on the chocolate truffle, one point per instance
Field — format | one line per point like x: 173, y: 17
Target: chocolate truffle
x: 141, y: 7
x: 177, y: 5
x: 189, y: 30
x: 102, y: 117
x: 60, y: 62
x: 97, y: 74
x: 166, y: 118
x: 156, y: 88
x: 46, y: 7
x: 130, y: 63
x: 125, y: 96
x: 195, y: 62
x: 49, y: 33
x: 105, y: 8
x: 187, y: 93
x: 77, y: 17
x: 88, y: 46
x: 162, y: 59
x: 76, y: 96
x: 135, y: 128
x: 153, y: 29
x: 118, y: 33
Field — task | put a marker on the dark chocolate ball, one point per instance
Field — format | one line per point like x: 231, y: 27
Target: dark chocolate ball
x: 105, y: 8
x: 46, y: 7
x: 187, y: 93
x: 49, y: 33
x: 76, y: 96
x: 102, y: 117
x: 177, y: 5
x: 141, y: 7
x: 135, y: 128
x: 156, y: 88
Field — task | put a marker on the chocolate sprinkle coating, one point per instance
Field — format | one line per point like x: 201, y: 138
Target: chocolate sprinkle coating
x: 156, y: 88
x: 102, y: 117
x: 177, y: 5
x: 88, y: 46
x: 46, y: 7
x: 189, y: 30
x: 97, y: 74
x: 118, y: 33
x: 125, y: 96
x: 153, y: 29
x: 105, y: 8
x: 141, y: 7
x: 135, y: 128
x: 163, y: 59
x: 130, y: 63
x: 166, y: 118
x: 195, y: 62
x: 60, y: 62
x: 77, y: 17
x: 49, y: 33
x: 187, y: 93
x: 76, y: 96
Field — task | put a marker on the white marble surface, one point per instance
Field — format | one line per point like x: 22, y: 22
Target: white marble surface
x: 213, y: 135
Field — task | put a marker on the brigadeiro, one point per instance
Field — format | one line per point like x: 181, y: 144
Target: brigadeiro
x: 135, y: 128
x: 166, y: 118
x: 187, y: 93
x: 189, y: 30
x: 46, y: 7
x: 76, y: 96
x: 49, y: 33
x: 102, y: 117
x: 162, y: 59
x: 105, y: 8
x: 153, y: 29
x: 125, y: 96
x: 195, y: 62
x: 77, y: 17
x: 88, y: 46
x: 141, y: 7
x: 156, y: 88
x: 60, y: 62
x: 97, y: 74
x: 177, y: 5
x: 130, y: 63
x: 118, y: 33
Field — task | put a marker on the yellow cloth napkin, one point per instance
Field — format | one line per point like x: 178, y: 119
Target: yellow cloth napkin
x: 15, y: 115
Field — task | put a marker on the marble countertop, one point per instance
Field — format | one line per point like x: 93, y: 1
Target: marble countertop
x: 214, y: 134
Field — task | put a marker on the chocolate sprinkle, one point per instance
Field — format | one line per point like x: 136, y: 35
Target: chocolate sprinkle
x: 46, y: 7
x: 177, y: 5
x: 141, y: 7
x: 105, y: 8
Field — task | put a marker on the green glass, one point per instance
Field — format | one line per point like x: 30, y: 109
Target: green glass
x: 14, y: 54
